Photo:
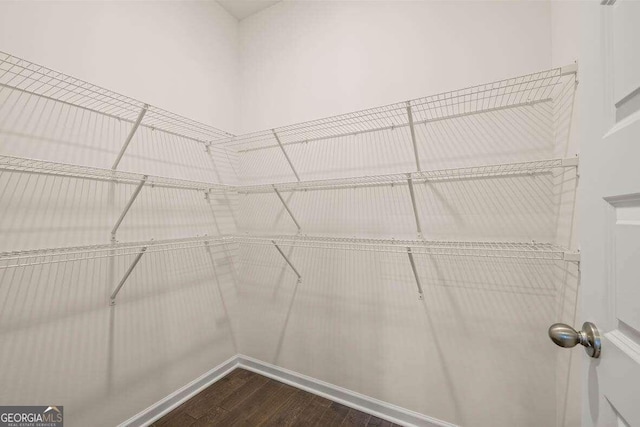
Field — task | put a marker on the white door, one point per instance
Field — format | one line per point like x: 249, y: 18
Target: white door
x: 610, y: 208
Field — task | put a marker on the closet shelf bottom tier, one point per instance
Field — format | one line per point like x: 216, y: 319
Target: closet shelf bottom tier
x: 524, y: 250
x: 519, y: 250
x: 89, y: 252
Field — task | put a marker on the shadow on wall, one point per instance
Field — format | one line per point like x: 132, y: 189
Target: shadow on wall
x: 169, y: 323
x: 515, y: 208
x: 356, y: 321
x: 520, y: 207
x: 62, y: 341
x: 40, y: 210
x: 479, y: 337
x: 522, y: 132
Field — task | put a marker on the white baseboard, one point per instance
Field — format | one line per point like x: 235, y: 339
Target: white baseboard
x: 178, y: 397
x: 349, y: 398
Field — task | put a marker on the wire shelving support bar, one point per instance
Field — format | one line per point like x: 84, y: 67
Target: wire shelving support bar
x: 112, y: 300
x: 286, y: 258
x: 413, y: 136
x: 132, y: 199
x: 413, y: 204
x: 130, y: 136
x: 415, y: 274
x: 287, y: 208
x: 286, y: 155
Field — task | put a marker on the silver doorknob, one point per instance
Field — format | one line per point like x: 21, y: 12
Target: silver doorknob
x: 565, y: 336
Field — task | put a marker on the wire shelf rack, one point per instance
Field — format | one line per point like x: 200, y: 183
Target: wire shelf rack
x: 83, y: 253
x: 519, y: 250
x: 514, y: 92
x: 34, y: 166
x: 33, y: 79
x: 473, y: 172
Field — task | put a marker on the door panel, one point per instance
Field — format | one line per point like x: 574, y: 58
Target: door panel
x: 624, y: 35
x: 626, y: 255
x: 619, y: 370
x: 611, y: 227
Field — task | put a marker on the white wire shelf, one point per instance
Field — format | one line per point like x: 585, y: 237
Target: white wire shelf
x: 473, y: 172
x: 34, y: 166
x: 83, y: 253
x: 515, y: 92
x: 32, y: 79
x: 519, y: 250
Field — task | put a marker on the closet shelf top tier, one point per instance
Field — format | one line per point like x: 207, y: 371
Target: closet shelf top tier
x: 530, y: 89
x: 32, y: 79
x: 519, y: 250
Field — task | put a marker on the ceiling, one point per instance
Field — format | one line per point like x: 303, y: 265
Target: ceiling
x: 243, y: 8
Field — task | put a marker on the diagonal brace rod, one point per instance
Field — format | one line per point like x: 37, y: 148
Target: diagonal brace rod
x: 130, y: 136
x: 415, y: 273
x: 413, y: 136
x: 286, y: 207
x: 114, y: 230
x: 413, y: 204
x: 285, y: 154
x: 112, y: 300
x: 287, y: 259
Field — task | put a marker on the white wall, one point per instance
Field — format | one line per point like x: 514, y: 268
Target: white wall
x: 355, y: 319
x: 303, y: 60
x: 61, y: 341
x: 180, y: 55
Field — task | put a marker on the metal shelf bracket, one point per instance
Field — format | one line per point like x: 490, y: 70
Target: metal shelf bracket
x: 286, y: 258
x: 415, y: 274
x: 572, y: 256
x: 285, y: 154
x: 287, y: 208
x: 569, y: 69
x: 112, y: 300
x: 572, y: 161
x: 130, y: 136
x: 114, y: 230
x: 413, y: 204
x: 413, y: 136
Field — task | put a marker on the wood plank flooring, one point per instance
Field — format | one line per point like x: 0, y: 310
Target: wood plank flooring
x: 244, y: 398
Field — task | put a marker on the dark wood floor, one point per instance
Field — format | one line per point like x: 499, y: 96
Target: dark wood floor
x: 244, y: 398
